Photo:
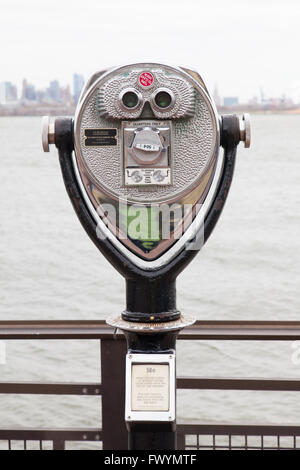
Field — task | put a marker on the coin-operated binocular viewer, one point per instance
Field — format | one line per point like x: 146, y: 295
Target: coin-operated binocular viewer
x: 142, y: 165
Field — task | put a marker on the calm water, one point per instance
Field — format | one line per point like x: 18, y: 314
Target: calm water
x: 249, y: 269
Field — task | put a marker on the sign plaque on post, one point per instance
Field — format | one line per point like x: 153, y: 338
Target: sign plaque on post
x: 150, y: 387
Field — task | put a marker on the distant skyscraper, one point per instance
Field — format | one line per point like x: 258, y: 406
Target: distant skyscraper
x: 41, y: 96
x: 78, y: 82
x: 24, y: 86
x: 54, y: 91
x: 28, y: 91
x: 66, y: 96
x: 8, y: 93
x: 230, y: 101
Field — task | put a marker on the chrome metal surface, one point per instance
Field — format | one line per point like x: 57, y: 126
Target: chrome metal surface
x: 166, y: 257
x: 146, y: 152
x: 245, y: 130
x: 47, y: 133
x: 177, y: 85
x: 195, y: 167
x: 89, y: 83
x: 194, y: 149
x: 182, y: 322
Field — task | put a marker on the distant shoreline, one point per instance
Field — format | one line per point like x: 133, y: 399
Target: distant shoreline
x: 37, y: 111
x: 70, y: 110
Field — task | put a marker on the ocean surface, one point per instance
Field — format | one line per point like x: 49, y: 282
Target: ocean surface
x: 248, y: 270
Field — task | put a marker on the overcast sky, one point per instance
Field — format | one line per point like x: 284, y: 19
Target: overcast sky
x: 242, y: 45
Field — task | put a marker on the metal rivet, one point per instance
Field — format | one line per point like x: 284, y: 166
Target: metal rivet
x: 84, y: 437
x: 130, y: 356
x: 97, y: 391
x: 84, y: 390
x: 97, y: 437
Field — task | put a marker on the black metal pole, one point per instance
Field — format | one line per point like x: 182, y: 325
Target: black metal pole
x: 151, y: 436
x: 151, y: 300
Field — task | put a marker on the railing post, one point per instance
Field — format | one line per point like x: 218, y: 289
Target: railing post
x: 180, y: 441
x: 58, y: 445
x: 115, y: 435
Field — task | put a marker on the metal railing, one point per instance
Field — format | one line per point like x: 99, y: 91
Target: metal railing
x: 113, y: 434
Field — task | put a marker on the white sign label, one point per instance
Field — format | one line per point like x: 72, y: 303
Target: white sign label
x: 147, y: 147
x: 150, y: 387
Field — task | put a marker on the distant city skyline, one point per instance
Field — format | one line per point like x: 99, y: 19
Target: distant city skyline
x: 56, y: 93
x: 243, y: 45
x: 260, y: 94
x: 53, y: 93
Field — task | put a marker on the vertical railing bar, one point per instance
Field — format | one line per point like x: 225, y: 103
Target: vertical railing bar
x: 9, y: 444
x: 25, y: 445
x: 114, y: 432
x: 294, y: 442
x: 180, y: 441
x: 246, y: 442
x: 214, y: 442
x: 278, y: 442
x: 58, y: 444
x: 41, y: 445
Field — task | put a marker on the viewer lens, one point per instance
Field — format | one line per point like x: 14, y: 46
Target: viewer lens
x: 130, y: 99
x: 163, y: 99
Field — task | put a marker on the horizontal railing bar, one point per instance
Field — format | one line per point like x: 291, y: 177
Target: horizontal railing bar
x: 189, y: 383
x: 239, y: 429
x: 90, y: 434
x: 201, y: 330
x: 204, y: 383
x: 52, y: 329
x: 243, y: 330
x: 36, y: 388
